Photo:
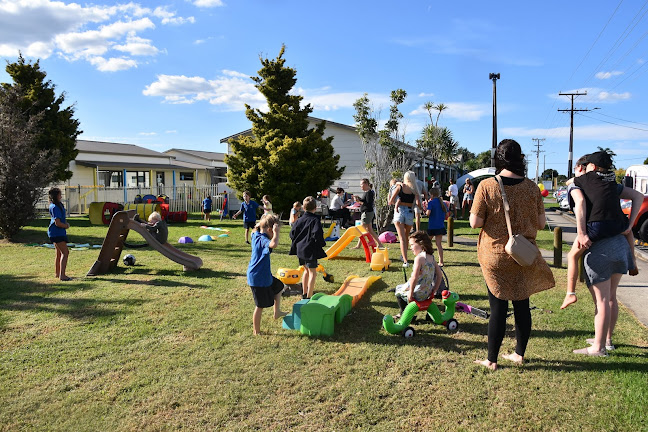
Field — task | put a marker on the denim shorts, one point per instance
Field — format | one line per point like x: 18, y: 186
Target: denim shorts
x: 603, y: 229
x: 404, y: 215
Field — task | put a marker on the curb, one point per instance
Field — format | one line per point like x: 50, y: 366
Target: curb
x: 642, y: 255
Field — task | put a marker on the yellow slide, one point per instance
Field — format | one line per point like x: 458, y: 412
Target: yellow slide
x: 348, y: 236
x: 356, y: 286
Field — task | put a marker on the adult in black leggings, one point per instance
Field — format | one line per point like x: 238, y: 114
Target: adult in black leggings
x: 497, y: 326
x: 506, y: 279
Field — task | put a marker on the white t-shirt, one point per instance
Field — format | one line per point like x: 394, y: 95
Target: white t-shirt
x: 453, y: 189
x: 336, y: 202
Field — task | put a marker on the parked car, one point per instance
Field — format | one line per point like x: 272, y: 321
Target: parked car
x: 636, y: 177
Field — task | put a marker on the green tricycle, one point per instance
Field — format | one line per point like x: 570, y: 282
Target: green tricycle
x: 403, y: 327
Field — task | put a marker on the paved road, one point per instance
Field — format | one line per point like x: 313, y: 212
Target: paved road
x: 633, y: 290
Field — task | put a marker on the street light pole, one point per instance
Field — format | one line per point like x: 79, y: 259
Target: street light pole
x: 494, y: 77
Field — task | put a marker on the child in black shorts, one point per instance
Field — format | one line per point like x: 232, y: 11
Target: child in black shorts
x: 266, y: 289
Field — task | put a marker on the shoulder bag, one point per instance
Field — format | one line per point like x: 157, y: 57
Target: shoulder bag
x: 518, y: 247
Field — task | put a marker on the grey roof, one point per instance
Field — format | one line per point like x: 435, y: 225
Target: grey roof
x: 211, y: 156
x: 315, y: 119
x: 115, y: 148
x: 146, y: 166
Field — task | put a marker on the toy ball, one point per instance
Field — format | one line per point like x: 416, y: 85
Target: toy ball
x: 541, y: 186
x: 185, y: 240
x: 544, y: 193
x: 129, y: 260
x: 205, y: 238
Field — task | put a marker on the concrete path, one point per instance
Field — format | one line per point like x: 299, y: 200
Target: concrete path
x: 632, y: 291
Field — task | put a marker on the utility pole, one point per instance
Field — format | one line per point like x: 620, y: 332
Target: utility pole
x: 494, y: 77
x: 571, y: 128
x: 537, y: 152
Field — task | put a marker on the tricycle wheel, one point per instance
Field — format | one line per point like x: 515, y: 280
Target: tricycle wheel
x: 409, y: 332
x: 452, y: 325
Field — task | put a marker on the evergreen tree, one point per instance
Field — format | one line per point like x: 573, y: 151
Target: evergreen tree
x: 282, y: 158
x: 58, y: 128
x: 24, y: 169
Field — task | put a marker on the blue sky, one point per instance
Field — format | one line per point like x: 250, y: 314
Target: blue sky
x: 176, y: 73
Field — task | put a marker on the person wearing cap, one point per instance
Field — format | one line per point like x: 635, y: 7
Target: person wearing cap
x: 607, y: 254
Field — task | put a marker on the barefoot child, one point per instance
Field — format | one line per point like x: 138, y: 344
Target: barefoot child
x: 267, y: 205
x: 307, y: 243
x: 57, y: 233
x: 266, y: 289
x: 596, y: 185
x: 426, y: 274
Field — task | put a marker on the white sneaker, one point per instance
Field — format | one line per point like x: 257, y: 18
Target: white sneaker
x: 405, y: 264
x: 607, y: 347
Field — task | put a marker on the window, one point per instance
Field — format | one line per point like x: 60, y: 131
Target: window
x: 189, y: 175
x: 138, y: 178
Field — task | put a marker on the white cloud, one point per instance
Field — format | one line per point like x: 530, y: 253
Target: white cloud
x: 171, y: 132
x: 112, y: 64
x: 461, y: 111
x: 148, y: 133
x: 608, y: 75
x: 594, y: 95
x: 170, y: 17
x: 42, y: 28
x: 232, y: 90
x: 425, y: 95
x: 138, y: 47
x: 208, y: 3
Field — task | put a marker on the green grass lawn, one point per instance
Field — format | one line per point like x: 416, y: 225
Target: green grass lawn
x: 150, y: 347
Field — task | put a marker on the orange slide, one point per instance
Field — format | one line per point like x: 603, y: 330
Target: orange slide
x: 356, y: 287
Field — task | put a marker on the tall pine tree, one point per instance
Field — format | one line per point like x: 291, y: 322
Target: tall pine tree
x: 59, y: 129
x: 283, y: 158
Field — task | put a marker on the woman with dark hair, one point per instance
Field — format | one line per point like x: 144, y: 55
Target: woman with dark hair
x: 505, y: 278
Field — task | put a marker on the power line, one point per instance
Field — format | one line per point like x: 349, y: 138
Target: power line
x: 596, y: 40
x: 605, y: 121
x: 617, y: 118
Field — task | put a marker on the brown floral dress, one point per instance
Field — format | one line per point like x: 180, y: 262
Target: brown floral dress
x: 505, y: 278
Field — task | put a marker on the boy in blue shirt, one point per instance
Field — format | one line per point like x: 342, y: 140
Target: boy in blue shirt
x: 266, y: 289
x: 248, y: 208
x: 207, y: 207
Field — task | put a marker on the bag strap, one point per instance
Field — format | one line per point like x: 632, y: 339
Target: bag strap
x: 506, y: 205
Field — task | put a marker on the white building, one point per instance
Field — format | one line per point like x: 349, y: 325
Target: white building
x: 348, y: 145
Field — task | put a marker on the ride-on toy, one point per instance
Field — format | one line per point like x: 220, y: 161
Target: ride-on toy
x: 433, y: 314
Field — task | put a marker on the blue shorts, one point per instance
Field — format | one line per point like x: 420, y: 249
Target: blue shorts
x: 404, y: 215
x: 249, y: 225
x: 603, y: 229
x: 59, y: 239
x: 437, y: 231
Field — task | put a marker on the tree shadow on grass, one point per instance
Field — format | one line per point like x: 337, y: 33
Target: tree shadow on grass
x: 202, y: 273
x: 23, y: 293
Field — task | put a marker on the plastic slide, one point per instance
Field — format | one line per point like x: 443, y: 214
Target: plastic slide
x: 121, y: 223
x: 356, y: 287
x: 348, y: 236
